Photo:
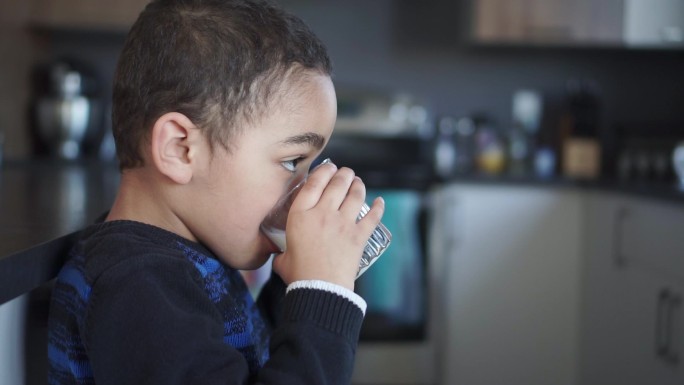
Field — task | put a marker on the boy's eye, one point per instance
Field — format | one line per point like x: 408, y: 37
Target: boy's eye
x: 291, y: 165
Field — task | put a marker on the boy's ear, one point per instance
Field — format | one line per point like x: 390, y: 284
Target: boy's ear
x: 174, y: 146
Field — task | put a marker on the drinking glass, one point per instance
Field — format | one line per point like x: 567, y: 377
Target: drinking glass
x: 275, y: 222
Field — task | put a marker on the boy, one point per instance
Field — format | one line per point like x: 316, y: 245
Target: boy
x: 218, y: 107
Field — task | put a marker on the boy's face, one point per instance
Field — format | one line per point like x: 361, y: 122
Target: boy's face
x: 235, y: 191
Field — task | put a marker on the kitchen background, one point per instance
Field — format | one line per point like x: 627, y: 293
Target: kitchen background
x: 422, y: 48
x: 514, y: 279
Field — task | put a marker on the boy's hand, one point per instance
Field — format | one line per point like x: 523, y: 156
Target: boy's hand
x: 324, y: 241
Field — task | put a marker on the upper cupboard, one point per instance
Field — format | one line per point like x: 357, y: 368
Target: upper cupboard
x: 653, y: 24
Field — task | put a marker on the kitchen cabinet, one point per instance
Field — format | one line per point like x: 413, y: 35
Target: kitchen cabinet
x: 548, y: 21
x: 86, y: 14
x: 654, y: 23
x: 633, y: 328
x: 512, y: 283
x: 629, y: 23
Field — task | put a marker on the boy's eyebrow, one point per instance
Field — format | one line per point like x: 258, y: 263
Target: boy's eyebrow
x: 311, y: 138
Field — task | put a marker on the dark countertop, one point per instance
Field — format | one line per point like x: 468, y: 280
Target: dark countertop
x: 669, y: 192
x: 42, y: 200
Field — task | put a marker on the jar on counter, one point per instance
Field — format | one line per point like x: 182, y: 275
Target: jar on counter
x: 491, y: 154
x: 445, y: 148
x: 678, y: 162
x: 454, y: 147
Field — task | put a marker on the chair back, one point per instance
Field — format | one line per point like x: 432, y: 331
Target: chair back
x: 26, y: 279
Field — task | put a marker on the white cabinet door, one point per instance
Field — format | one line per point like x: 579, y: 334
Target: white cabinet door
x: 652, y: 237
x: 632, y: 319
x: 654, y: 22
x: 512, y: 295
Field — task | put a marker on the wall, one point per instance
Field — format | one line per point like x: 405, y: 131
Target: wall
x: 15, y: 59
x: 421, y: 47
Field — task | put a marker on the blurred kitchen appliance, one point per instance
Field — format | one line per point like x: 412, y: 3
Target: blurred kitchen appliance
x: 526, y: 119
x: 378, y: 113
x: 398, y: 334
x: 65, y: 109
x: 397, y: 343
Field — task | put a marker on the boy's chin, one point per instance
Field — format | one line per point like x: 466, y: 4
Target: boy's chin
x: 247, y: 260
x: 262, y: 255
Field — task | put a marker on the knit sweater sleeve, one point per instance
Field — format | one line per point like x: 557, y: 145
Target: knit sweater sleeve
x: 150, y: 322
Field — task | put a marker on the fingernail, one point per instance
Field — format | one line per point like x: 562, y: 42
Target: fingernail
x: 324, y: 162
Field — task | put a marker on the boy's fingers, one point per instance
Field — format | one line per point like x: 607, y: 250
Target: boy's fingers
x: 277, y: 261
x: 355, y: 198
x: 336, y: 191
x: 371, y: 220
x: 313, y: 188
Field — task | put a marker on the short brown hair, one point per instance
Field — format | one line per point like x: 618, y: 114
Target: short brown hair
x: 215, y: 61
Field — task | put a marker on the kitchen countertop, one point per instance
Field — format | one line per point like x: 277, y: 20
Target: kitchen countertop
x: 40, y: 201
x: 668, y: 192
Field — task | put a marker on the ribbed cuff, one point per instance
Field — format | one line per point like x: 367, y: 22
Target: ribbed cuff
x: 328, y: 309
x: 332, y: 288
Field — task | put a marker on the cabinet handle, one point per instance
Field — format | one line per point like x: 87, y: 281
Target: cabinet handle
x: 619, y: 259
x: 661, y: 332
x: 666, y: 313
x: 672, y: 354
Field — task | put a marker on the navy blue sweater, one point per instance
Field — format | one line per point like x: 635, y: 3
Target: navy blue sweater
x: 136, y: 304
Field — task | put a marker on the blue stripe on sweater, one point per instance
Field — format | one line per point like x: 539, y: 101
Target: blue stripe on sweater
x: 73, y: 276
x: 60, y: 359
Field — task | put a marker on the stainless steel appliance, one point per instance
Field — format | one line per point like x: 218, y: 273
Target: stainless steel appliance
x: 387, y: 140
x: 398, y: 337
x: 65, y: 110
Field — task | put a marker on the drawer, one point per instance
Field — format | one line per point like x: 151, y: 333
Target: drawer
x: 650, y: 235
